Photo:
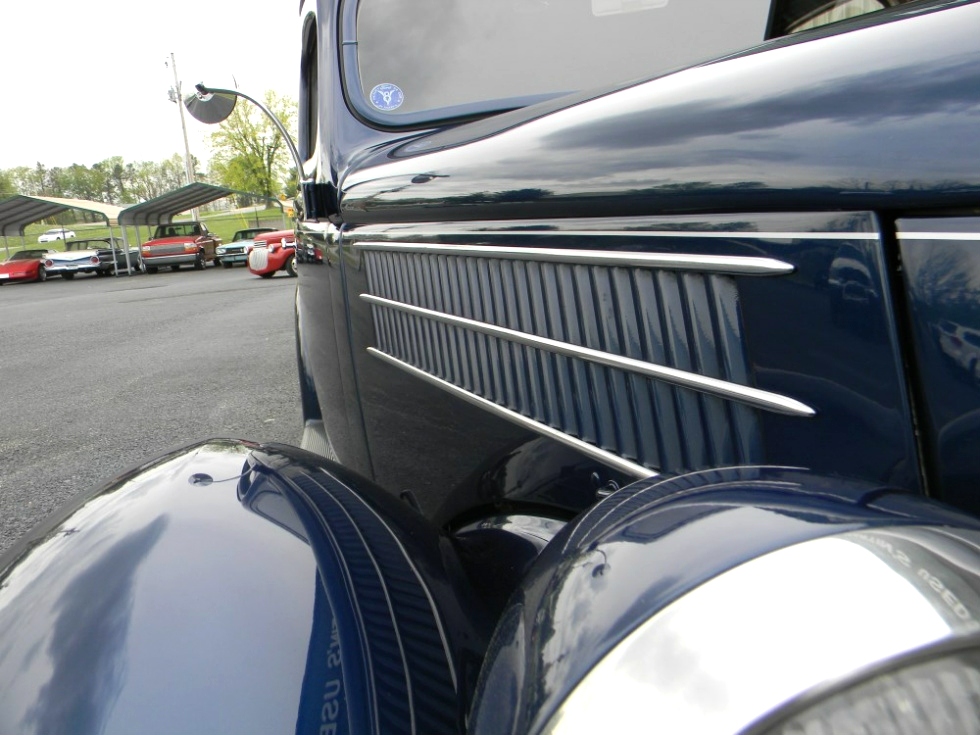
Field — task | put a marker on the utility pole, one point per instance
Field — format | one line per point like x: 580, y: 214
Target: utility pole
x: 176, y: 97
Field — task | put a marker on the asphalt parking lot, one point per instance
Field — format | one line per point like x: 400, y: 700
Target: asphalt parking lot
x: 100, y: 374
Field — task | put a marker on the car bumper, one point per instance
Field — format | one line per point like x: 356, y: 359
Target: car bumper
x: 54, y: 270
x: 162, y: 260
x: 5, y: 277
x: 232, y: 257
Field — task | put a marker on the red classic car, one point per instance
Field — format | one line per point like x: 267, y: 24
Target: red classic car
x: 272, y: 252
x: 180, y: 243
x: 23, y: 266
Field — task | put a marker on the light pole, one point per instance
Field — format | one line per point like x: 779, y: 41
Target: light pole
x: 176, y: 97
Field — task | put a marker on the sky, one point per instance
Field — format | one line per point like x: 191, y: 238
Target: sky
x: 83, y: 80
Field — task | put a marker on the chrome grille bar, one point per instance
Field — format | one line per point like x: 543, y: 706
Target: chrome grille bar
x: 727, y: 264
x: 724, y: 389
x: 607, y: 458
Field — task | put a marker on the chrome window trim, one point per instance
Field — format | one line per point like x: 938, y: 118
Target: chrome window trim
x: 911, y: 235
x: 687, y: 234
x: 608, y: 458
x: 713, y: 386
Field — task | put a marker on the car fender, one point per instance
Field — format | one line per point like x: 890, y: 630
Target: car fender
x: 229, y: 587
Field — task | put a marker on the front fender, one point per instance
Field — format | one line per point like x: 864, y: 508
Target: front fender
x: 228, y: 587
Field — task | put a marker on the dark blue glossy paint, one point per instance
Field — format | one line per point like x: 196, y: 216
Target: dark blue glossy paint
x: 230, y: 587
x: 942, y: 273
x: 860, y: 125
x: 158, y: 604
x: 882, y: 118
x: 804, y: 349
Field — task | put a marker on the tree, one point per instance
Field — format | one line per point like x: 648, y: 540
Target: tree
x: 112, y: 181
x: 249, y: 151
x: 7, y: 186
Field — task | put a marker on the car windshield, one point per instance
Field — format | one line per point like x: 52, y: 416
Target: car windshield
x: 407, y: 62
x: 28, y: 255
x: 185, y: 229
x: 248, y: 234
x: 87, y: 244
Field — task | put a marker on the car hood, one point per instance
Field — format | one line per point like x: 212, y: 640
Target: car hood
x: 18, y: 266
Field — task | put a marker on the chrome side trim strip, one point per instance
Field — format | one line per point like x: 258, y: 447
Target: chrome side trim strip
x: 729, y: 264
x: 693, y: 234
x: 969, y: 236
x: 714, y: 386
x: 607, y: 458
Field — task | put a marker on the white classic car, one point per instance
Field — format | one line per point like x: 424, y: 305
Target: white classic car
x: 101, y: 256
x: 58, y: 233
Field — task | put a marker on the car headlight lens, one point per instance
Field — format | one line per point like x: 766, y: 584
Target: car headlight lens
x: 746, y: 642
x: 934, y: 691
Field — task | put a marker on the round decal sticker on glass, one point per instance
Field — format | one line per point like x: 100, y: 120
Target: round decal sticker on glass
x: 387, y: 97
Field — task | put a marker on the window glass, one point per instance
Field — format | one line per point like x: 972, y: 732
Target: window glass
x: 841, y: 10
x: 409, y: 62
x: 423, y: 56
x: 799, y: 15
x: 309, y: 82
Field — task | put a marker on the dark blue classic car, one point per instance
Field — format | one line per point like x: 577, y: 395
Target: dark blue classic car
x: 633, y: 346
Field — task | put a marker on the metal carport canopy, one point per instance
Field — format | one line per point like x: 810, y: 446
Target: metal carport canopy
x: 161, y: 210
x: 19, y: 211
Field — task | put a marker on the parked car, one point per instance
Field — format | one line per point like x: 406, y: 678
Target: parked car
x: 272, y: 252
x: 23, y: 266
x: 586, y: 448
x: 101, y: 256
x: 179, y: 243
x: 58, y: 233
x: 236, y: 251
x: 961, y: 346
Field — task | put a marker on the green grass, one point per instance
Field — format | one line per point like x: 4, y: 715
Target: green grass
x: 224, y: 225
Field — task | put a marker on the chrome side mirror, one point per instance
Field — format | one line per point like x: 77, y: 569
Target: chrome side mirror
x: 212, y: 106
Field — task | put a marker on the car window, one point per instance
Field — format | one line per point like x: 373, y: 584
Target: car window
x: 408, y: 62
x: 423, y: 56
x: 800, y: 15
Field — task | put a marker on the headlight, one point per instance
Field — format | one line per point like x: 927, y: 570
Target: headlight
x: 746, y: 642
x: 931, y: 691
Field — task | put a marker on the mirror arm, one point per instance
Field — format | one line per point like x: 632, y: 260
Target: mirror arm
x: 204, y: 90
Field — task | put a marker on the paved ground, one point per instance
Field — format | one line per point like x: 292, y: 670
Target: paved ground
x: 99, y: 374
